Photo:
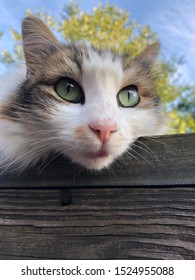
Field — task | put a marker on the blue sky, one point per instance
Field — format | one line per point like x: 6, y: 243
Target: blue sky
x: 173, y: 20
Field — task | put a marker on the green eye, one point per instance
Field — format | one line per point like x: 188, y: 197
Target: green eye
x: 128, y: 97
x: 69, y: 90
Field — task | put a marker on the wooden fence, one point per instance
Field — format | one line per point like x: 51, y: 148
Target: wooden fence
x: 143, y: 207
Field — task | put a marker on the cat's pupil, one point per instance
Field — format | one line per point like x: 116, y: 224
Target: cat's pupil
x: 68, y: 88
x: 128, y: 97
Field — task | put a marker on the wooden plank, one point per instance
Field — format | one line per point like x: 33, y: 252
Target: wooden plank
x: 119, y: 223
x: 162, y: 161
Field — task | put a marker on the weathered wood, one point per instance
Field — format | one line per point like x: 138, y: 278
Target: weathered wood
x: 133, y: 223
x: 163, y: 161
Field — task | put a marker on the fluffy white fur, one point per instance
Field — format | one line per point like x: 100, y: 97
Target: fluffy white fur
x: 66, y: 129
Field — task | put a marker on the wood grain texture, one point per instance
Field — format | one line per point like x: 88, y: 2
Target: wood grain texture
x: 109, y: 223
x: 162, y: 161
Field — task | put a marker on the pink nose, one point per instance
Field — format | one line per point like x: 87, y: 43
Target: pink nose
x: 103, y: 130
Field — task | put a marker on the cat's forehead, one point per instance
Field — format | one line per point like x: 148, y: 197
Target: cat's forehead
x: 98, y: 58
x: 89, y: 57
x: 101, y: 66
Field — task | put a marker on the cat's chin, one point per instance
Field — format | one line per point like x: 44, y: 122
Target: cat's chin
x: 94, y: 161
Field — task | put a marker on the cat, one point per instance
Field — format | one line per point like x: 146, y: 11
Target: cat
x: 88, y: 104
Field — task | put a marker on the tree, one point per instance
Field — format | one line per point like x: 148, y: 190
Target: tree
x: 109, y: 27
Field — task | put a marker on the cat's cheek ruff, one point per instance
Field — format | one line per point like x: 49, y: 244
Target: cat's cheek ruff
x: 148, y: 123
x: 15, y: 155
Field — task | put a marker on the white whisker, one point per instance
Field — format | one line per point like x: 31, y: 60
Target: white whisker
x: 148, y: 150
x: 133, y: 156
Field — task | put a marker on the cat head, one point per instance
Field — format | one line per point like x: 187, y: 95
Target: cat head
x: 88, y: 104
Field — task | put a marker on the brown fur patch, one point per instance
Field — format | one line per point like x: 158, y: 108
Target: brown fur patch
x: 138, y: 71
x: 80, y: 132
x: 8, y: 113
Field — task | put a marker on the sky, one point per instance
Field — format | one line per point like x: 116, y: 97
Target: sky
x: 172, y: 20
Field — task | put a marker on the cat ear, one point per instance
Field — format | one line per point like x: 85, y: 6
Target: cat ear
x: 37, y: 41
x: 148, y: 56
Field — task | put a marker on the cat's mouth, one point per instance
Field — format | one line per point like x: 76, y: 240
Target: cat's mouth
x: 99, y: 154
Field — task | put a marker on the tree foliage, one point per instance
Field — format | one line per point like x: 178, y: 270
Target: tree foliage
x: 110, y: 27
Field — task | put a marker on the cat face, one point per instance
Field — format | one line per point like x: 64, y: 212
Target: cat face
x: 90, y: 105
